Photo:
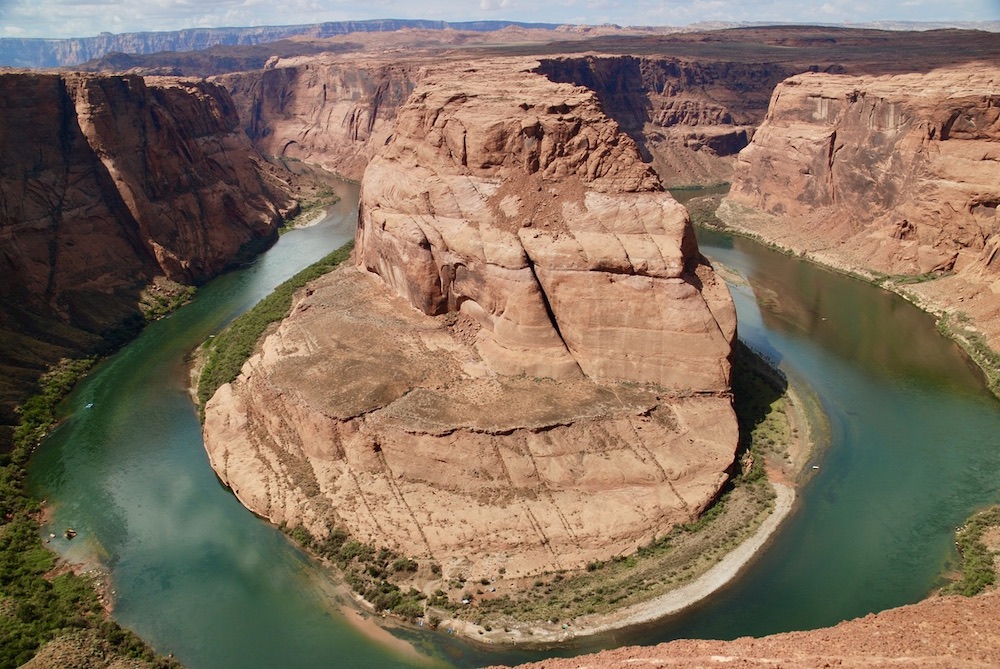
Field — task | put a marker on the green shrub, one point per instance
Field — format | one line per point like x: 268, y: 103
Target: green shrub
x: 36, y: 606
x: 405, y: 564
x: 234, y: 345
x: 978, y: 570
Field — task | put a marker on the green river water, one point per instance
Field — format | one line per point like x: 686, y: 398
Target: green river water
x: 914, y: 448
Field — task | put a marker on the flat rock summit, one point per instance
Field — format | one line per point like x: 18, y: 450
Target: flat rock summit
x: 531, y: 356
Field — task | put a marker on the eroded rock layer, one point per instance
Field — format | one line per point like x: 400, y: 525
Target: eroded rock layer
x: 106, y: 183
x: 535, y: 372
x: 363, y: 413
x: 898, y: 175
x: 518, y: 202
x: 328, y: 110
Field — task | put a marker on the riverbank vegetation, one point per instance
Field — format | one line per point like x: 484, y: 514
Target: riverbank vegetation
x: 978, y: 543
x: 225, y: 354
x: 957, y: 327
x: 369, y: 572
x: 162, y: 297
x: 38, y: 601
x: 310, y: 208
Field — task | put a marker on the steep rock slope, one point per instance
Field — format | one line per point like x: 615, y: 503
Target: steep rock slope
x: 897, y: 175
x: 524, y: 207
x: 464, y: 401
x: 334, y: 111
x: 106, y: 183
x: 690, y: 118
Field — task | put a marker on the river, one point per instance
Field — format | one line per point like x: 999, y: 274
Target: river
x: 913, y: 450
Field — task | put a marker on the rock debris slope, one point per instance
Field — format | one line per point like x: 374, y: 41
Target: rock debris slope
x: 533, y: 373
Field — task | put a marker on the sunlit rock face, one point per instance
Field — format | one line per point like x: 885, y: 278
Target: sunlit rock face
x: 528, y: 367
x: 516, y: 201
x: 899, y: 173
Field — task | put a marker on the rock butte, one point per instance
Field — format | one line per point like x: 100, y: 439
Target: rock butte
x: 532, y: 373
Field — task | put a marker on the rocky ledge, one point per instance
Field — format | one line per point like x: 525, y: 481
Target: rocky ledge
x: 954, y: 632
x: 528, y: 369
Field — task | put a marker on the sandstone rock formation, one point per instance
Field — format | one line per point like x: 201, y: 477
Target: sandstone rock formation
x: 691, y: 118
x: 333, y: 111
x: 105, y: 183
x: 895, y: 175
x: 524, y: 207
x: 534, y: 374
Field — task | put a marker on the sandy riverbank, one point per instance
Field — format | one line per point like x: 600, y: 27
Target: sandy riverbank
x: 673, y: 602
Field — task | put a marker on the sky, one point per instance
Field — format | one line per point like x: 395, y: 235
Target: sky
x: 81, y: 18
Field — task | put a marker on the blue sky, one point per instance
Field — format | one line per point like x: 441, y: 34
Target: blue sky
x: 67, y: 18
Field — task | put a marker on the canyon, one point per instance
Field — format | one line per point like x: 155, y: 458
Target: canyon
x: 534, y: 344
x: 109, y: 184
x: 892, y: 177
x: 880, y: 159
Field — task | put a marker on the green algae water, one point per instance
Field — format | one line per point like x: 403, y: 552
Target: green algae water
x: 913, y: 450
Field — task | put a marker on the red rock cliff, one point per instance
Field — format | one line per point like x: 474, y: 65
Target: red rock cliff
x: 329, y: 110
x: 105, y: 183
x: 517, y: 202
x: 892, y: 175
x: 524, y: 262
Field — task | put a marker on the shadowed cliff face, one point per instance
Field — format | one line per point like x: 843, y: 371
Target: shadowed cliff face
x: 330, y: 111
x: 106, y: 183
x: 688, y: 118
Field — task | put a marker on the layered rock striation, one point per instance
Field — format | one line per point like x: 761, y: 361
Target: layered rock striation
x: 893, y: 175
x: 106, y: 183
x: 333, y: 111
x: 689, y: 117
x: 528, y: 210
x: 529, y: 368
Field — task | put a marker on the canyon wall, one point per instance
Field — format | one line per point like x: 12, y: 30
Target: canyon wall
x: 894, y: 176
x: 531, y: 360
x: 41, y: 52
x: 106, y: 183
x: 690, y: 118
x: 328, y: 110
